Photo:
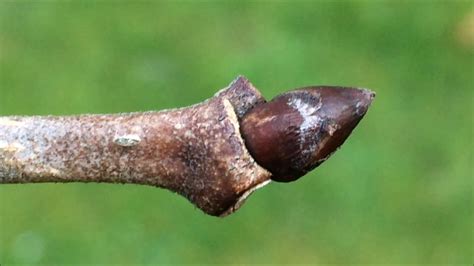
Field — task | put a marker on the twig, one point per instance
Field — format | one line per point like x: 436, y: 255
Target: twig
x: 196, y: 151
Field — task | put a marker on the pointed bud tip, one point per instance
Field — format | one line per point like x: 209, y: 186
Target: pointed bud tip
x: 367, y: 97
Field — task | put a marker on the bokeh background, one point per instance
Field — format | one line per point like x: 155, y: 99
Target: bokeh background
x: 399, y: 190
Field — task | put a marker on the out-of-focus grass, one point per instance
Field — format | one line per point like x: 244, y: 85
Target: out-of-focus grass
x: 399, y: 191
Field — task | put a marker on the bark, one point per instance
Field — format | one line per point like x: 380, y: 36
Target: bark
x: 196, y: 151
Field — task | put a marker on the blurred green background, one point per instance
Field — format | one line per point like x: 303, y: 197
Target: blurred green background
x: 399, y: 191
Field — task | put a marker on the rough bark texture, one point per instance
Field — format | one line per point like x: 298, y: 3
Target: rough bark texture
x: 196, y: 151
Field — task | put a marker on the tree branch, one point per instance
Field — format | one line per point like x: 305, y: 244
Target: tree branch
x: 196, y: 151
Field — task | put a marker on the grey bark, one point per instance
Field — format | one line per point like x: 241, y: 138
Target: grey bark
x: 196, y: 151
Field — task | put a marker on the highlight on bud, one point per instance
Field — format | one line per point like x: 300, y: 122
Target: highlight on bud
x: 298, y: 130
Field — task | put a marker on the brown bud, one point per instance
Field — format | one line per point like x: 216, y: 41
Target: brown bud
x: 300, y: 129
